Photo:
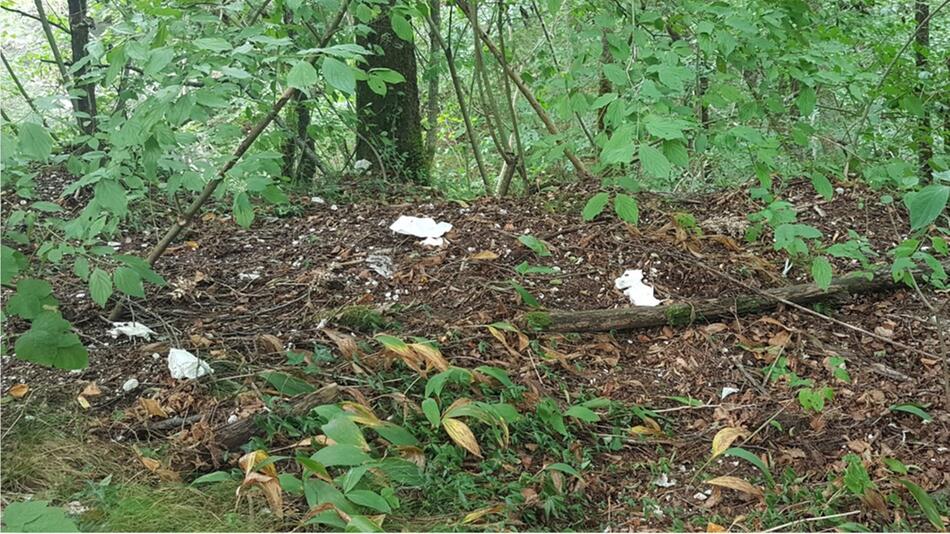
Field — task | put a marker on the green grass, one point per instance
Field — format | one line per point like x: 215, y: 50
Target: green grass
x: 49, y: 455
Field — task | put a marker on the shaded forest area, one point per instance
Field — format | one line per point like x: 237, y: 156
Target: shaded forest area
x: 384, y: 265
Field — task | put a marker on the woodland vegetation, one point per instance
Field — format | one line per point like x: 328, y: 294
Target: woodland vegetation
x: 683, y: 265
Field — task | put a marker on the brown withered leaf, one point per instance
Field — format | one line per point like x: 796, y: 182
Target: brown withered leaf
x: 18, y: 391
x: 713, y: 527
x: 91, y: 390
x: 485, y: 255
x: 153, y: 408
x: 271, y: 343
x: 737, y: 484
x: 199, y: 341
x: 724, y: 439
x: 472, y: 517
x: 347, y: 344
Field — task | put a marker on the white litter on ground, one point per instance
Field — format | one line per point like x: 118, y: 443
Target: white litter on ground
x: 183, y: 364
x: 726, y: 391
x: 424, y: 227
x: 131, y: 329
x: 380, y: 264
x: 248, y: 276
x: 664, y: 481
x: 631, y: 283
x: 362, y: 165
x: 130, y: 384
x: 432, y: 242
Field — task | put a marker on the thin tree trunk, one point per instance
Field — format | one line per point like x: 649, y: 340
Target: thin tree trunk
x: 432, y: 103
x: 22, y: 90
x: 466, y: 118
x: 85, y: 102
x: 604, y: 86
x: 529, y: 96
x: 52, y: 42
x: 924, y: 134
x: 510, y: 105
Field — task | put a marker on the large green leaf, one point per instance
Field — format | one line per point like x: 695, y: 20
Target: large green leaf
x: 626, y: 208
x: 339, y: 75
x: 128, y: 281
x: 369, y: 499
x: 35, y: 143
x: 32, y: 298
x: 654, y: 162
x: 302, y: 75
x: 401, y: 27
x: 49, y: 341
x: 100, y: 286
x: 926, y: 205
x: 619, y: 148
x: 340, y: 455
x: 344, y: 431
x: 821, y: 272
x: 36, y: 516
x: 595, y: 206
x: 288, y: 385
x: 243, y: 211
x: 926, y: 503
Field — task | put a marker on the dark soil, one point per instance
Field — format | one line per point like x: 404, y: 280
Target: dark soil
x: 294, y: 277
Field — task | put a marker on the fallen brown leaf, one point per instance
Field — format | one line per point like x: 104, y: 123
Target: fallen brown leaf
x: 18, y: 391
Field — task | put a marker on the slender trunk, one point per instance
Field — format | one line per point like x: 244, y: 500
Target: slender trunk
x: 85, y: 100
x: 463, y: 108
x: 432, y: 103
x: 604, y: 86
x: 392, y: 122
x: 579, y: 166
x: 47, y: 29
x: 21, y: 89
x: 519, y: 164
x: 921, y: 50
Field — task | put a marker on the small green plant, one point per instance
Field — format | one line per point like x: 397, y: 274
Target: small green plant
x: 36, y: 516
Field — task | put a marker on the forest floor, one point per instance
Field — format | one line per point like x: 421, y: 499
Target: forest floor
x: 243, y: 298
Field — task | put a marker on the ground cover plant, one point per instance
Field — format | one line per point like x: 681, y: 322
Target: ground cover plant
x: 382, y: 265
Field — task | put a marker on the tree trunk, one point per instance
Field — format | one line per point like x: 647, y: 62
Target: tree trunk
x: 921, y: 48
x: 684, y: 313
x: 432, y: 104
x: 391, y: 122
x: 85, y: 101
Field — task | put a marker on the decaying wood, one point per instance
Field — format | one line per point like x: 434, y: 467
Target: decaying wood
x: 232, y: 436
x: 682, y: 313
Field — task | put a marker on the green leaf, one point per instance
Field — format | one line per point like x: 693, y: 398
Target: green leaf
x: 36, y: 516
x: 806, y: 101
x: 524, y: 268
x: 112, y: 196
x: 352, y: 477
x: 823, y: 185
x: 392, y: 343
x: 129, y: 281
x: 654, y: 162
x: 395, y: 434
x: 595, y: 206
x: 498, y: 374
x: 739, y: 452
x: 535, y: 244
x: 926, y: 503
x: 100, y: 286
x: 288, y: 385
x: 564, y: 468
x: 926, y: 205
x: 526, y: 297
x: 388, y: 75
x: 431, y: 411
x: 340, y: 455
x: 35, y: 142
x: 401, y: 27
x: 47, y: 207
x: 313, y: 466
x: 215, y: 44
x: 302, y: 75
x: 243, y: 211
x: 32, y: 298
x: 821, y: 272
x: 158, y: 59
x: 339, y: 75
x: 913, y: 410
x: 667, y: 128
x: 361, y: 523
x: 369, y: 499
x: 626, y: 208
x: 50, y: 341
x: 619, y: 148
x: 344, y: 431
x: 11, y: 263
x: 676, y: 152
x: 217, y: 476
x: 583, y: 413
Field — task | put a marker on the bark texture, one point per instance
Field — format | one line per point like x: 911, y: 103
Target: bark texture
x: 392, y: 122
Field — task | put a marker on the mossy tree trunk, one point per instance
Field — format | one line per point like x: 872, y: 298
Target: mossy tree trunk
x: 391, y: 123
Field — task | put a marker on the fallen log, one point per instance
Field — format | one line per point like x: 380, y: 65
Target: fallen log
x: 231, y: 436
x: 684, y: 313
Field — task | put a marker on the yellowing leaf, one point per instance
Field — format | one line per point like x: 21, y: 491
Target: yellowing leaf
x: 19, y: 391
x: 737, y: 484
x: 462, y: 435
x: 430, y: 355
x: 485, y: 255
x: 482, y: 512
x: 83, y: 403
x: 724, y: 439
x: 649, y: 428
x: 361, y: 413
x: 264, y: 477
x: 413, y: 454
x: 713, y: 527
x: 252, y: 459
x: 152, y: 407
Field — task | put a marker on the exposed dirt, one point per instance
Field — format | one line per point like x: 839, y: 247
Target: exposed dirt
x: 294, y: 277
